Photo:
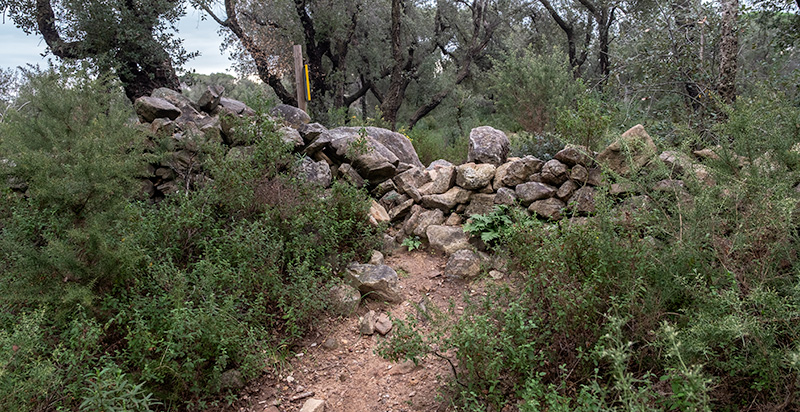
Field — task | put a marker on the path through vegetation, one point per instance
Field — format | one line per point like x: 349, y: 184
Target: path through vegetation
x: 339, y: 365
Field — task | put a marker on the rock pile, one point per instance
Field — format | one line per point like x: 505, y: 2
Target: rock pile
x: 362, y: 156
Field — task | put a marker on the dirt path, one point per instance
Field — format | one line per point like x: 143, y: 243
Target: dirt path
x: 339, y: 365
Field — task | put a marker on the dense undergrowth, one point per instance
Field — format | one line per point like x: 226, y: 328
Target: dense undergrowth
x: 664, y: 302
x: 109, y: 302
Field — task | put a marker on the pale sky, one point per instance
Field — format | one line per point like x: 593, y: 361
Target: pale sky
x: 197, y: 35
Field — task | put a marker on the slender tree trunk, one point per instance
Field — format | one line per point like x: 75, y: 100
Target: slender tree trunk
x: 728, y: 51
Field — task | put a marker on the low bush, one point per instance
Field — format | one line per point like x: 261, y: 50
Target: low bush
x: 685, y: 304
x: 110, y: 302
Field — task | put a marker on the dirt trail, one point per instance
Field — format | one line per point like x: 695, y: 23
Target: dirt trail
x: 340, y: 366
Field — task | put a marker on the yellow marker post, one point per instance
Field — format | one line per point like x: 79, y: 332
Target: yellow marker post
x: 308, y: 86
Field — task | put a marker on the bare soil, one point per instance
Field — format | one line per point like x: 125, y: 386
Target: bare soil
x: 339, y: 365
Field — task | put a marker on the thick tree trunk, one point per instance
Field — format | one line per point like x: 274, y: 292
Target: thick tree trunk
x: 728, y: 51
x: 399, y: 80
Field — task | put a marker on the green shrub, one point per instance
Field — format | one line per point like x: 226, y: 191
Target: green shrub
x: 108, y: 302
x: 532, y: 88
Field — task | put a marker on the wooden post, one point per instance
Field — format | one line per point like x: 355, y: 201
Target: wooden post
x: 299, y: 81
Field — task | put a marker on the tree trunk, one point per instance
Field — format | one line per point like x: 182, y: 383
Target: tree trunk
x: 728, y: 51
x: 399, y: 80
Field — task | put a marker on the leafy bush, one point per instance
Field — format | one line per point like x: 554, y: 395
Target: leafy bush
x: 532, y: 88
x: 108, y: 302
x: 685, y: 304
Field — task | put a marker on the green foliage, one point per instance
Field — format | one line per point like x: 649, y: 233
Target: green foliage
x: 586, y: 124
x: 543, y: 146
x: 680, y: 305
x: 111, y: 303
x: 532, y: 88
x: 108, y: 390
x: 433, y: 144
x: 412, y: 243
x: 492, y: 227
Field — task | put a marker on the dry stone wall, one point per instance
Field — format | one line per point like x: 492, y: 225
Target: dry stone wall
x: 418, y: 200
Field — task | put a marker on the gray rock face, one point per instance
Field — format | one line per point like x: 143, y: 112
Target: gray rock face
x: 291, y: 137
x: 574, y: 155
x: 448, y: 200
x: 442, y: 178
x: 376, y: 281
x: 151, y: 108
x: 313, y: 405
x: 351, y: 175
x: 400, y: 211
x: 533, y: 191
x: 447, y: 239
x: 366, y: 323
x: 410, y: 181
x: 440, y: 163
x: 547, y: 208
x: 344, y: 299
x: 554, y: 172
x: 210, y: 98
x: 488, y: 145
x: 480, y: 204
x: 505, y: 196
x: 311, y: 131
x: 395, y: 142
x: 176, y: 98
x: 583, y: 200
x: 519, y: 171
x: 370, y: 158
x: 463, y: 264
x: 425, y: 219
x: 579, y: 174
x: 236, y: 107
x: 631, y: 151
x: 473, y: 176
x: 231, y: 379
x: 566, y: 190
x: 291, y: 116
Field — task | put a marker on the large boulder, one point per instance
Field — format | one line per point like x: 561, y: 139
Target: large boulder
x: 442, y: 178
x: 377, y: 281
x: 533, y: 191
x: 520, y: 171
x: 473, y: 176
x: 420, y: 218
x: 548, y: 208
x: 395, y: 142
x: 574, y: 155
x: 344, y: 299
x: 488, y: 145
x: 447, y: 200
x: 505, y: 196
x: 150, y: 108
x: 370, y: 158
x: 318, y: 173
x: 235, y: 107
x: 554, y: 172
x: 410, y: 181
x: 291, y: 137
x: 378, y: 214
x: 447, y: 239
x: 583, y: 200
x: 210, y: 98
x: 176, y: 98
x: 291, y: 116
x: 634, y: 149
